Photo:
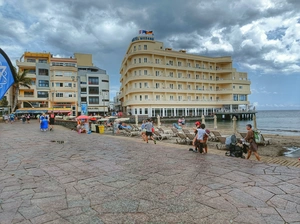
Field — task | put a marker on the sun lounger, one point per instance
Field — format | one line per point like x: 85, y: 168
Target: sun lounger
x: 161, y: 136
x: 182, y: 138
x: 215, y: 135
x: 221, y: 144
x: 130, y: 133
x: 186, y: 131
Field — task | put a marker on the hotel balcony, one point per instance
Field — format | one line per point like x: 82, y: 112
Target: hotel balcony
x: 25, y: 64
x: 27, y: 98
x: 184, y: 103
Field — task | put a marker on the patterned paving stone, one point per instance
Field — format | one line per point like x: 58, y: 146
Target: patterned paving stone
x: 93, y: 178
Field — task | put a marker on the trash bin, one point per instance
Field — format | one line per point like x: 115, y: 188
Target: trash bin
x: 97, y: 128
x: 101, y: 129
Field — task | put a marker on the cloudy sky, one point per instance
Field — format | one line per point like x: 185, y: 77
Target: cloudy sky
x: 262, y: 36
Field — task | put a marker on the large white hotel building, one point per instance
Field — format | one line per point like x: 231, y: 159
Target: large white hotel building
x: 160, y: 81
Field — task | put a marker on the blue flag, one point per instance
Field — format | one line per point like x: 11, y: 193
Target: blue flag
x: 7, y: 75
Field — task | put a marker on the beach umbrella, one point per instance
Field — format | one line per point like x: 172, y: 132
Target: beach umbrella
x: 158, y: 121
x: 203, y: 119
x: 234, y: 124
x: 136, y: 119
x: 80, y: 117
x: 215, y: 122
x: 254, y: 122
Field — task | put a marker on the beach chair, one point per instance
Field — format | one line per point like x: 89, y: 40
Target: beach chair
x: 186, y: 131
x: 164, y: 130
x: 221, y: 144
x: 130, y: 133
x: 161, y: 136
x: 175, y: 132
x: 215, y: 136
x: 182, y: 138
x: 190, y: 138
x: 135, y: 127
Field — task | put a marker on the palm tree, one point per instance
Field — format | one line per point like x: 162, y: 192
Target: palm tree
x: 20, y: 80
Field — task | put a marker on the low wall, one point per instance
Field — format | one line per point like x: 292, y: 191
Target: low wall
x: 66, y: 123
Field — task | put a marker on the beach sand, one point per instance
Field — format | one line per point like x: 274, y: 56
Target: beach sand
x: 276, y: 148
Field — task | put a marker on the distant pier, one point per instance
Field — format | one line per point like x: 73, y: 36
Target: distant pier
x: 240, y: 115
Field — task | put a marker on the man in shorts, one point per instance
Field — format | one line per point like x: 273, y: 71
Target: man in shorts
x: 52, y: 119
x: 148, y: 127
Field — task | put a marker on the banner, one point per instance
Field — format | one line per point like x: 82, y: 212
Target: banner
x: 7, y: 73
x: 83, y: 109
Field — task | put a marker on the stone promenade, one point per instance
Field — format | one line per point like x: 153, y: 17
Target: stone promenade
x: 65, y: 177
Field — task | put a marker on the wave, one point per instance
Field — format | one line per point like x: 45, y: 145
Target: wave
x: 279, y: 130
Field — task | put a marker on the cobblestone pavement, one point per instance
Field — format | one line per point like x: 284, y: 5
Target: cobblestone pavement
x: 66, y: 177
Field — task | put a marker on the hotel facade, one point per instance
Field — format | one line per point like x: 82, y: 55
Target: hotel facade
x: 63, y: 85
x: 160, y: 81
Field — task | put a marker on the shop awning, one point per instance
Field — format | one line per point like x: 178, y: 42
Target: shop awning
x: 30, y: 111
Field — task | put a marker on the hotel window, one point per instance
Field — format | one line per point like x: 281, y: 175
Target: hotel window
x: 93, y: 100
x: 145, y: 47
x: 210, y: 88
x: 217, y: 98
x: 197, y: 66
x: 197, y: 97
x: 135, y: 85
x: 157, y: 97
x: 145, y: 60
x: 235, y: 97
x: 74, y: 85
x: 134, y: 48
x: 141, y: 97
x: 146, y: 85
x: 211, y: 98
x: 179, y: 75
x: 68, y: 95
x: 42, y: 60
x: 171, y: 74
x: 188, y: 75
x: 179, y: 98
x: 171, y: 86
x: 135, y: 97
x: 83, y: 90
x: 189, y: 98
x: 157, y: 61
x: 31, y: 60
x: 43, y: 72
x: 68, y: 84
x: 179, y: 86
x: 233, y: 87
x: 134, y: 73
x: 197, y: 87
x: 93, y: 90
x: 83, y: 99
x: 145, y: 72
x: 189, y: 87
x: 197, y: 77
x: 243, y: 97
x: 139, y: 47
x: 59, y: 95
x: 240, y: 87
x: 170, y: 62
x: 157, y: 85
x: 58, y: 73
x: 210, y: 77
x: 146, y: 97
x: 134, y: 61
x: 140, y: 72
x: 140, y: 60
x: 43, y: 83
x: 42, y: 94
x: 188, y: 64
x: 171, y: 98
x: 179, y: 63
x: 94, y: 80
x: 156, y: 73
x: 140, y: 84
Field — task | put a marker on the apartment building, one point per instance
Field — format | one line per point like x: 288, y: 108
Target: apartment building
x: 160, y: 81
x: 93, y: 86
x: 63, y: 85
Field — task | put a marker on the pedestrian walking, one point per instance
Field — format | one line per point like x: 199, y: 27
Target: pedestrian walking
x: 252, y: 144
x: 149, y: 128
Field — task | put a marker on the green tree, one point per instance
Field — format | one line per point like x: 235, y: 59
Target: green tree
x: 4, y: 102
x: 21, y: 80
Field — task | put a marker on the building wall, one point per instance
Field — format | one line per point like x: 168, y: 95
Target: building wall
x: 156, y: 80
